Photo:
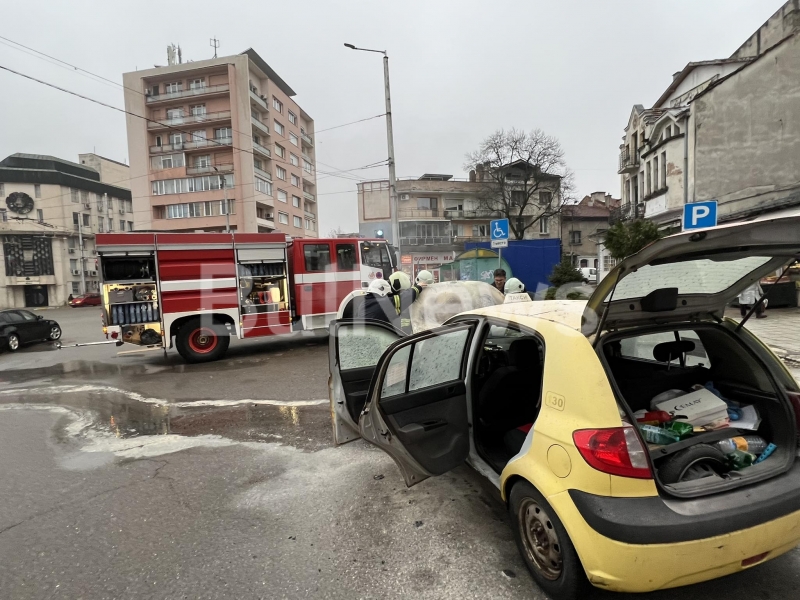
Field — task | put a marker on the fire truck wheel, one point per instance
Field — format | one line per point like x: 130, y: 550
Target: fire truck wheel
x: 202, y: 342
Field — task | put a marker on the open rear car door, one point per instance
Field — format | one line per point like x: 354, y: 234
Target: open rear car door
x: 417, y: 402
x: 354, y: 349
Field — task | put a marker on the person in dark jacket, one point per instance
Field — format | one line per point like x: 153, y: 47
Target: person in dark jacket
x: 404, y: 294
x: 376, y: 304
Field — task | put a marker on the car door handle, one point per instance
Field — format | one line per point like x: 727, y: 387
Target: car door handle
x: 416, y: 430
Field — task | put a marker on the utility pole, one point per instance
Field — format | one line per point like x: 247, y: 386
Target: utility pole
x: 227, y: 205
x: 80, y: 247
x: 390, y: 143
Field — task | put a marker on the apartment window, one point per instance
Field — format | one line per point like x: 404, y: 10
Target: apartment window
x: 191, y: 184
x: 480, y: 230
x: 295, y: 180
x: 171, y: 88
x: 100, y: 224
x: 277, y: 104
x: 40, y: 215
x: 197, y: 209
x: 110, y: 224
x: 544, y: 224
x: 278, y: 128
x: 574, y: 237
x: 258, y: 164
x: 204, y: 160
x: 198, y: 110
x: 294, y: 160
x: 37, y: 191
x: 668, y: 131
x: 655, y: 173
x: 130, y: 225
x: 84, y: 196
x: 121, y: 225
x: 307, y: 167
x: 292, y: 118
x: 174, y: 114
x: 111, y: 204
x: 280, y: 151
x: 177, y: 211
x: 100, y: 204
x: 176, y: 139
x: 517, y: 198
x: 298, y: 222
x: 663, y: 170
x: 199, y: 135
x: 282, y: 196
x: 545, y: 198
x: 296, y: 201
x: 280, y: 173
x: 73, y: 195
x: 196, y: 84
x: 223, y: 132
x: 309, y: 225
x: 283, y: 218
x: 262, y: 185
x: 4, y: 215
x: 293, y: 138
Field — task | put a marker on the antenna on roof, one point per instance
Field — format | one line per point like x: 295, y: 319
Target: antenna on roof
x: 214, y: 43
x: 171, y: 55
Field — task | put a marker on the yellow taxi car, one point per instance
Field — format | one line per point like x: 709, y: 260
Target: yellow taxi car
x: 546, y: 399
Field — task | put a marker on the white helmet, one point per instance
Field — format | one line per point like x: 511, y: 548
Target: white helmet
x: 381, y: 287
x: 399, y: 281
x: 514, y: 286
x: 424, y: 278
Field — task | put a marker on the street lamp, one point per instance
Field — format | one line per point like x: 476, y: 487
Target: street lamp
x: 390, y: 143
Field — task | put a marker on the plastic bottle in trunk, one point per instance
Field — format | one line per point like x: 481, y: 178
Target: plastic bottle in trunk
x: 753, y: 444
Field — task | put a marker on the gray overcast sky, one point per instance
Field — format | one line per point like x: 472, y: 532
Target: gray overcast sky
x: 459, y: 70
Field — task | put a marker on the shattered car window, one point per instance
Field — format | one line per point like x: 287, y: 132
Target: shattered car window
x: 394, y: 382
x: 437, y: 360
x: 361, y: 346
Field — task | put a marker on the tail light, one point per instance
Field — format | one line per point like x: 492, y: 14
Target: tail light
x: 616, y: 451
x: 794, y: 397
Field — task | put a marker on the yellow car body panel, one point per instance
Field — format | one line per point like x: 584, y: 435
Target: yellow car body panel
x: 577, y: 394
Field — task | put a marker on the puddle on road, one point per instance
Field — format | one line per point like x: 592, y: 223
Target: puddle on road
x: 303, y: 427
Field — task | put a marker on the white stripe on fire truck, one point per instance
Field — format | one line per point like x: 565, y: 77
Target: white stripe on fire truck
x: 327, y: 277
x: 183, y: 285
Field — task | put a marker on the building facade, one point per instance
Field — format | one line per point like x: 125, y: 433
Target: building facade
x: 727, y: 130
x: 51, y: 210
x: 223, y: 145
x: 437, y: 215
x: 582, y: 228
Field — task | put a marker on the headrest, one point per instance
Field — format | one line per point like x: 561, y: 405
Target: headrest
x: 668, y: 351
x: 523, y: 353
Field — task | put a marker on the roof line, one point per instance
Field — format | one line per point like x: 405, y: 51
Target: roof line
x: 269, y: 72
x: 690, y: 66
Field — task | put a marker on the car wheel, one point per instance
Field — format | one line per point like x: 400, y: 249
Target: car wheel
x: 696, y: 462
x: 544, y: 544
x: 199, y: 341
x: 12, y: 342
x: 55, y: 332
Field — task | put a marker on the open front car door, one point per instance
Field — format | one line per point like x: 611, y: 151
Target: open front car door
x: 354, y: 349
x: 417, y: 402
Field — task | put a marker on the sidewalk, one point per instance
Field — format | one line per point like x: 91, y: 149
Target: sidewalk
x: 780, y: 331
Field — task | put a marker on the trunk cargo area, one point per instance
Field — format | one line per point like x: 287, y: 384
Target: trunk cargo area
x: 712, y: 367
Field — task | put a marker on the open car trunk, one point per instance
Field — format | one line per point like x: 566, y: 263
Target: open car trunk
x: 713, y: 363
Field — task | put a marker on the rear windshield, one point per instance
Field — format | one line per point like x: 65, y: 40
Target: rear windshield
x: 700, y: 276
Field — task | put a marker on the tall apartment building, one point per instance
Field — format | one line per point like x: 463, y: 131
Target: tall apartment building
x: 51, y: 210
x: 230, y: 119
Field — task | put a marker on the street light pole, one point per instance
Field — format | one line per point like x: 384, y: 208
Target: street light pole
x: 227, y: 206
x: 390, y: 143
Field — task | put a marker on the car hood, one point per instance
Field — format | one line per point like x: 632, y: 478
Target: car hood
x: 440, y: 301
x: 709, y: 268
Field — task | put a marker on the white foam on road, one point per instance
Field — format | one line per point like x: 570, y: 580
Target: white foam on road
x: 105, y: 389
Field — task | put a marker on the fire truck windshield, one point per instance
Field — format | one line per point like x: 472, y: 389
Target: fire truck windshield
x: 376, y: 255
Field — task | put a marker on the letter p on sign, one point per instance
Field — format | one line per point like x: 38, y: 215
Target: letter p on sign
x: 700, y: 215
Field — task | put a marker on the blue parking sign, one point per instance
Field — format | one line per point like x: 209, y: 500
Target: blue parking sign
x: 700, y: 215
x: 499, y: 229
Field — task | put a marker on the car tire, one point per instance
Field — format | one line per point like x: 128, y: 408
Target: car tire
x: 55, y: 333
x: 12, y: 342
x: 544, y: 545
x: 698, y: 457
x: 199, y: 341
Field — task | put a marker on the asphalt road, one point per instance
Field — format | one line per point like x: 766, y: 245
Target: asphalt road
x: 137, y: 476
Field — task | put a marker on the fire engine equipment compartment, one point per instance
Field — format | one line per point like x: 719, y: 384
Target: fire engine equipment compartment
x: 263, y: 283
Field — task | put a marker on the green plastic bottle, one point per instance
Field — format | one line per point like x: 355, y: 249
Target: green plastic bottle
x: 659, y: 435
x: 739, y: 459
x: 683, y: 430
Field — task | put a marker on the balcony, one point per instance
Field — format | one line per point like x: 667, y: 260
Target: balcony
x: 262, y: 173
x: 205, y: 90
x: 259, y: 149
x: 259, y: 101
x: 628, y: 162
x: 193, y: 145
x: 310, y: 215
x: 426, y: 241
x: 625, y: 212
x: 481, y: 213
x: 203, y: 169
x: 420, y: 213
x: 259, y: 125
x: 155, y: 123
x: 463, y: 239
x: 265, y: 225
x: 307, y: 139
x: 309, y: 197
x: 308, y: 178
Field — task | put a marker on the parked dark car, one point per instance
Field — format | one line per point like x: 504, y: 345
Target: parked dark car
x: 86, y: 300
x: 18, y: 327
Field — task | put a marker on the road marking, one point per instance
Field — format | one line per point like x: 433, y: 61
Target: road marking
x: 73, y: 389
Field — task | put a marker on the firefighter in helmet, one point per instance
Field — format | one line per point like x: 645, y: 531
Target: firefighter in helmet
x: 376, y: 304
x: 404, y: 294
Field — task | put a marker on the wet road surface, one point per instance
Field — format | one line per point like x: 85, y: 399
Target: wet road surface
x: 142, y: 477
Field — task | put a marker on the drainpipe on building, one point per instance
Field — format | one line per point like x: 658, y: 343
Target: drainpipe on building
x: 686, y: 161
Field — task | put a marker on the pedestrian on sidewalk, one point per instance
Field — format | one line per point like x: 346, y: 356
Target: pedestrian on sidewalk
x: 749, y: 297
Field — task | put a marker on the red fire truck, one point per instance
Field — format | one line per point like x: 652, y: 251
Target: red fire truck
x: 199, y: 289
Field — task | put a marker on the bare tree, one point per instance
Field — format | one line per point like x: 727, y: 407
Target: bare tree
x: 336, y: 232
x: 523, y: 177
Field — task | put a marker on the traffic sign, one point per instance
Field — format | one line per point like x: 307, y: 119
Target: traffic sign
x: 700, y: 215
x: 499, y: 229
x: 499, y: 243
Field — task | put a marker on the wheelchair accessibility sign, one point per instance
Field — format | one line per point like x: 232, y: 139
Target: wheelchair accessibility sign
x: 499, y: 233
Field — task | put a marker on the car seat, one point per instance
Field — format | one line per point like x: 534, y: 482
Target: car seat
x: 510, y: 396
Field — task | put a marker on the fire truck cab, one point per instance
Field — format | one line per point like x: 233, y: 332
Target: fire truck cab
x: 196, y: 290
